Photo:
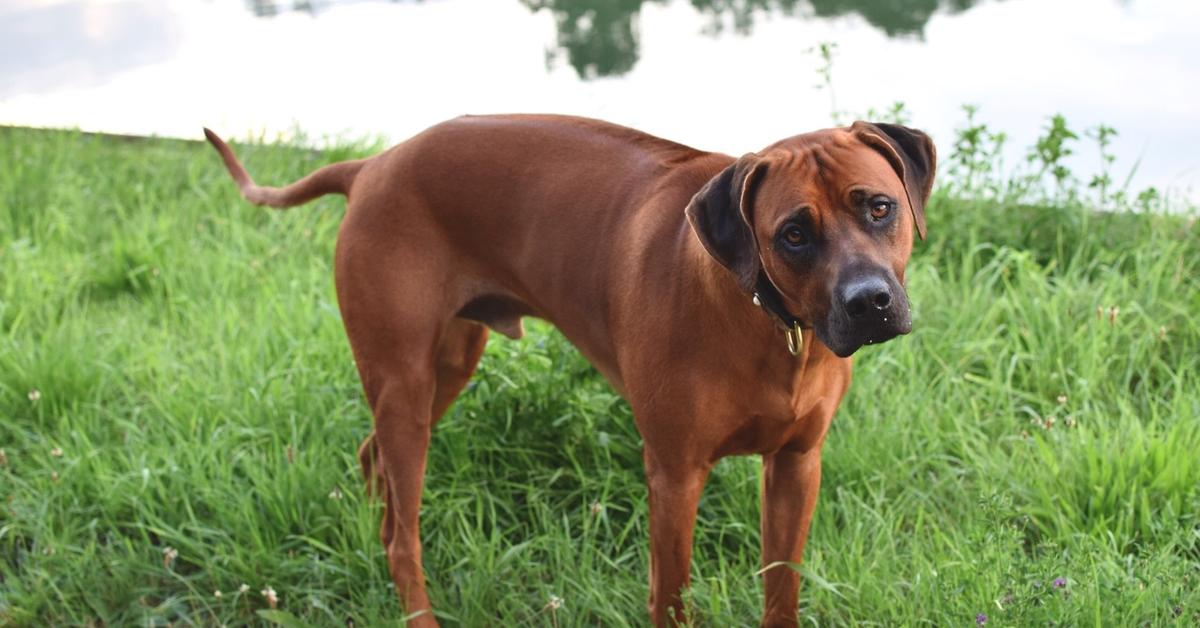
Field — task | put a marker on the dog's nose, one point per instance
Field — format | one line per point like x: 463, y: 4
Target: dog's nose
x: 867, y: 296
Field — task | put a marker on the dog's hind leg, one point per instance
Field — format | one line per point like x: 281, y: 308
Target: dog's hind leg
x: 392, y: 308
x: 458, y: 354
x: 401, y: 397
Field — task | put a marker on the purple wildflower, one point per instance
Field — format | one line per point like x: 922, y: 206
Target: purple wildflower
x: 980, y: 619
x: 1060, y: 583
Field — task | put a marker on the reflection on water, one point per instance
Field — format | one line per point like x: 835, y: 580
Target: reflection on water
x: 271, y: 8
x: 894, y: 17
x: 601, y: 37
x: 729, y: 75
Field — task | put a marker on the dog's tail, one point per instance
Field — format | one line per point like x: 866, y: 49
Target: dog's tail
x: 332, y: 179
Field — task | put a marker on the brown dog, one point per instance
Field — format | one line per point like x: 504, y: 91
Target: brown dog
x: 651, y: 257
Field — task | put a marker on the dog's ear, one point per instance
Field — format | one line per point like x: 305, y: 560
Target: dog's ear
x: 720, y: 214
x: 911, y: 154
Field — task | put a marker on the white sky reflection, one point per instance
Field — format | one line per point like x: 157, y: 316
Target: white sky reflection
x: 391, y: 69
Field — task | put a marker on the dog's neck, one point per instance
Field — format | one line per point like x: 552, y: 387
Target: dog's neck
x: 758, y: 328
x: 752, y: 345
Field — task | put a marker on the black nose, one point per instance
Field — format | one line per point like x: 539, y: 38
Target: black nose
x: 866, y: 296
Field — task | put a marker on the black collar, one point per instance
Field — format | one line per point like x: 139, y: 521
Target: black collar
x: 767, y: 296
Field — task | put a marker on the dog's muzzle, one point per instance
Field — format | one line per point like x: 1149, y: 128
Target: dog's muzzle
x: 869, y: 308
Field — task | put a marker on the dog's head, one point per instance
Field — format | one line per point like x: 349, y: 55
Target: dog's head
x: 829, y: 218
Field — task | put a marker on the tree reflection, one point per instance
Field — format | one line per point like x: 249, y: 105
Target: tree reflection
x: 894, y: 17
x: 271, y: 8
x: 600, y: 37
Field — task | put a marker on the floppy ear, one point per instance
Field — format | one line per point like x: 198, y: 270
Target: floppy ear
x: 911, y: 154
x: 720, y: 215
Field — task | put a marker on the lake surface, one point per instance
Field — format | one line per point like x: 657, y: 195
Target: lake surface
x: 728, y: 75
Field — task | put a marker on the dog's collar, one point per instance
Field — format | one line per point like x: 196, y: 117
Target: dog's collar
x: 767, y: 297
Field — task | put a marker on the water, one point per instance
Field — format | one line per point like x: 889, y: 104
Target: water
x: 695, y: 71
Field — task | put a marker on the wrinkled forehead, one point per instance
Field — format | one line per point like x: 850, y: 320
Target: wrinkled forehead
x: 823, y: 166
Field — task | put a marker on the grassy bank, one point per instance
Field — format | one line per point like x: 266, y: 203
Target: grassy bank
x: 179, y: 416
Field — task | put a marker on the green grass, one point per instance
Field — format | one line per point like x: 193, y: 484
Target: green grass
x: 195, y: 392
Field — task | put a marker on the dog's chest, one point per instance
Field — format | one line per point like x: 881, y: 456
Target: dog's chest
x: 783, y: 416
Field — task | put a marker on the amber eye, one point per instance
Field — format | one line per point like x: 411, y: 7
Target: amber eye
x: 880, y: 208
x: 795, y: 236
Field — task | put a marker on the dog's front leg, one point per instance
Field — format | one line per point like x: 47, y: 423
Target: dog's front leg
x: 675, y: 486
x: 789, y: 494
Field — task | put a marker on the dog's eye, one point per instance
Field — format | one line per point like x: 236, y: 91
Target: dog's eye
x: 881, y: 207
x: 794, y: 235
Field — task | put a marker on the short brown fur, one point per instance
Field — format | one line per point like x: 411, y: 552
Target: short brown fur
x: 479, y: 221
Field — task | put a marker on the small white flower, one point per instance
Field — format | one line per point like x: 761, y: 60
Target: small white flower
x: 335, y: 494
x: 217, y: 594
x: 272, y: 599
x: 245, y: 587
x: 35, y: 394
x: 56, y: 452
